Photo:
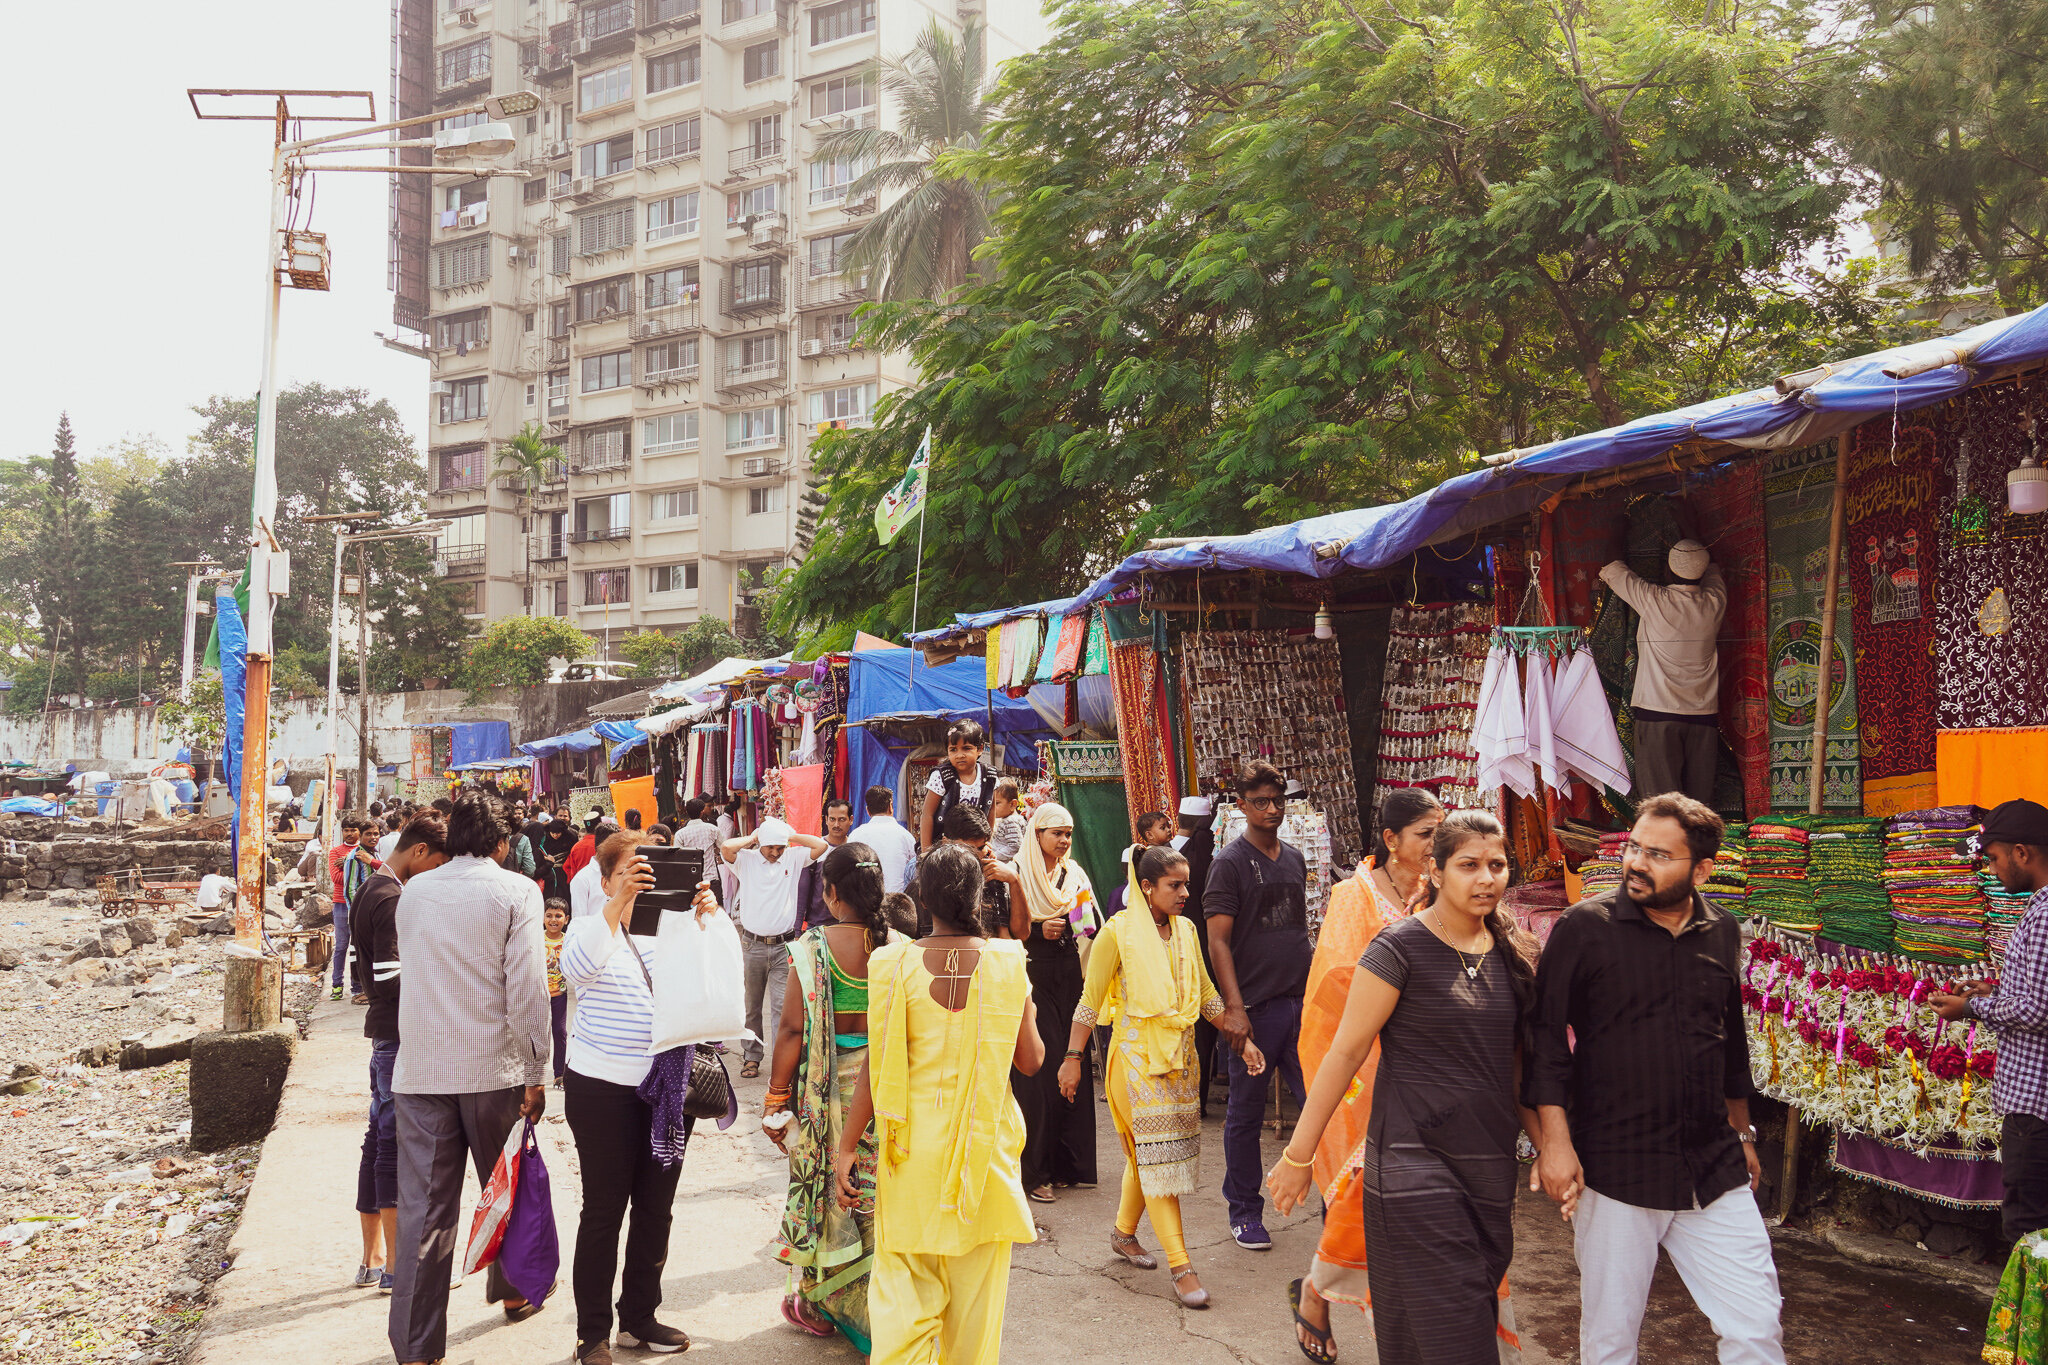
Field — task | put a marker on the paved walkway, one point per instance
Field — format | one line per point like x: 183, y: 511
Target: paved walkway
x: 288, y: 1300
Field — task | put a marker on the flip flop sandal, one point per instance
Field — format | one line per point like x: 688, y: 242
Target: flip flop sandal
x: 1326, y: 1347
x: 750, y: 1070
x: 1041, y: 1195
x: 793, y: 1315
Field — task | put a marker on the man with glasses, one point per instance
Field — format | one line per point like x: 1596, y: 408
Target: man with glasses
x: 1255, y: 912
x: 1646, y: 1139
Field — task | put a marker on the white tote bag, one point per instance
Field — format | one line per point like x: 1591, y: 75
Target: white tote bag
x: 700, y: 991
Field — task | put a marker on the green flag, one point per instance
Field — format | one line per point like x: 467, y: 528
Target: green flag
x: 906, y: 500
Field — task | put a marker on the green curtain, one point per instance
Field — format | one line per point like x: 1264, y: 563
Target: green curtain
x: 1102, y: 832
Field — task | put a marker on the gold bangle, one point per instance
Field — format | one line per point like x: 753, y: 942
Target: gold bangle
x: 1297, y: 1165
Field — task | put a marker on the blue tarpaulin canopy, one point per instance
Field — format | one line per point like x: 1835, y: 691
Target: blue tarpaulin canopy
x: 889, y: 682
x: 474, y: 741
x: 1799, y: 409
x: 575, y: 742
x: 620, y: 734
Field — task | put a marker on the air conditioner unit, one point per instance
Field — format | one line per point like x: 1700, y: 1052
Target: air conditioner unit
x: 513, y: 255
x: 442, y: 386
x: 813, y: 346
x: 558, y: 149
x: 579, y: 186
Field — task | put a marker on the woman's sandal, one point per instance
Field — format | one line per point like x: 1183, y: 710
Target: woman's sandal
x: 793, y: 1314
x: 1326, y: 1347
x: 1190, y: 1298
x: 1041, y: 1195
x: 1127, y: 1245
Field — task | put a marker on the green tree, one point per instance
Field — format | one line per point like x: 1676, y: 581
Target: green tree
x: 1253, y: 263
x: 529, y: 457
x: 201, y: 720
x: 921, y: 244
x: 1950, y: 109
x: 138, y: 600
x: 33, y: 682
x: 60, y: 561
x: 689, y: 651
x: 514, y: 652
x: 133, y: 461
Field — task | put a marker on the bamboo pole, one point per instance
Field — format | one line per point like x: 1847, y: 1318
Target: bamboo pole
x: 1788, y: 1178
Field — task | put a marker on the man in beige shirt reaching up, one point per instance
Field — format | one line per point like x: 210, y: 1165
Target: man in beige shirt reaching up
x: 1677, y: 697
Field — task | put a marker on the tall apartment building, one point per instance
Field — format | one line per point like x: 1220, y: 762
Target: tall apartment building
x: 659, y: 285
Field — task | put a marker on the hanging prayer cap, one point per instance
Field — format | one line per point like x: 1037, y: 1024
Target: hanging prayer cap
x: 1194, y: 805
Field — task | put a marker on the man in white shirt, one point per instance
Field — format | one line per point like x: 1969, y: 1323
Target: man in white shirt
x: 767, y: 869
x: 388, y: 845
x: 1677, y: 696
x: 697, y: 832
x: 586, y: 891
x: 892, y: 843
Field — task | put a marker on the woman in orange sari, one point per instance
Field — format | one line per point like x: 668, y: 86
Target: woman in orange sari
x: 1360, y: 906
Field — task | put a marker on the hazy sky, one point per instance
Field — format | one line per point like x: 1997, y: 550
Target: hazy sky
x: 134, y: 249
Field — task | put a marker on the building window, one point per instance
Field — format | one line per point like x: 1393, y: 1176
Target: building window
x: 608, y: 157
x: 668, y: 287
x: 670, y: 11
x: 605, y: 518
x: 754, y: 429
x: 462, y: 331
x: 602, y: 21
x: 828, y: 254
x: 671, y: 433
x: 684, y: 66
x: 558, y: 254
x: 755, y: 282
x: 533, y: 191
x: 846, y: 19
x: 672, y: 577
x: 754, y: 353
x: 559, y: 591
x: 602, y: 88
x: 675, y: 358
x: 761, y: 500
x: 470, y: 62
x: 461, y: 545
x: 460, y: 263
x: 673, y: 141
x: 842, y: 95
x: 456, y: 198
x: 757, y: 202
x: 558, y: 392
x: 675, y: 216
x: 612, y: 370
x: 605, y: 230
x: 529, y: 395
x: 853, y: 403
x: 459, y: 469
x: 836, y: 330
x: 764, y: 138
x: 671, y: 506
x: 830, y: 178
x: 733, y: 11
x: 604, y: 585
x: 464, y: 401
x: 760, y: 62
x: 469, y: 120
x: 600, y: 448
x: 603, y: 299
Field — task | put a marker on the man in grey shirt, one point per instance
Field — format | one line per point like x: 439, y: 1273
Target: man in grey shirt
x: 476, y: 1008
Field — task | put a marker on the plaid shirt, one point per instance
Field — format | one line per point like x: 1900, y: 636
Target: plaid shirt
x: 2018, y: 1009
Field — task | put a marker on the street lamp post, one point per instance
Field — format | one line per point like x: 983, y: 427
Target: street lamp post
x: 300, y: 259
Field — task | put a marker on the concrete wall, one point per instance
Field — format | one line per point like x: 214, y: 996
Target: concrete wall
x: 129, y: 740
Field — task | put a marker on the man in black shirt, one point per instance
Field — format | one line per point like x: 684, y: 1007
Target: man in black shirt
x: 373, y: 934
x: 1646, y: 1135
x: 1255, y: 914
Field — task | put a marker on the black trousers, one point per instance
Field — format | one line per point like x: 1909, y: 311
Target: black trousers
x: 610, y: 1124
x: 1059, y: 1133
x: 2023, y: 1151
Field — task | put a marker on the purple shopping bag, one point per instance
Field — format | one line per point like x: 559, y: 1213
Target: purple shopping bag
x: 530, y: 1256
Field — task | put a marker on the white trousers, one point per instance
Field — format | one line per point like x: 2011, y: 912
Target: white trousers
x: 1721, y: 1252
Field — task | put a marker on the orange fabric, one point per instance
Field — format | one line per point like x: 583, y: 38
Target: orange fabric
x: 1985, y: 767
x: 1897, y: 795
x: 803, y: 798
x: 635, y: 793
x: 1354, y: 917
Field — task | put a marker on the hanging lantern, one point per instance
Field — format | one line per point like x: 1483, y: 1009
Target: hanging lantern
x: 2026, y: 488
x: 1326, y: 628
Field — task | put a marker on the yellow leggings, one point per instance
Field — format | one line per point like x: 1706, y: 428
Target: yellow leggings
x: 1164, y: 1208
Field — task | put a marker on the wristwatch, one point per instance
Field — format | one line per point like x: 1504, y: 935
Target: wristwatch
x: 1746, y: 1134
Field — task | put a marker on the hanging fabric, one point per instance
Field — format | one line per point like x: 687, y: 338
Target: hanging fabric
x: 1095, y: 658
x: 1584, y: 728
x: 1049, y: 654
x: 1537, y: 716
x: 1498, y: 733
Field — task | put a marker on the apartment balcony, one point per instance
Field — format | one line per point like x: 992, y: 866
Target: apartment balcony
x: 458, y: 75
x: 554, y: 492
x: 458, y: 560
x: 604, y: 30
x: 828, y: 341
x: 755, y: 159
x: 735, y: 24
x: 661, y: 379
x: 767, y: 233
x: 752, y: 298
x: 553, y: 63
x: 605, y: 312
x: 603, y: 461
x: 599, y: 535
x: 748, y: 444
x: 681, y: 14
x: 544, y: 548
x: 831, y: 291
x: 671, y: 319
x: 557, y: 349
x: 761, y: 374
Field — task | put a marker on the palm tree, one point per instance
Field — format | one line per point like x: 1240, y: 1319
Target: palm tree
x: 529, y: 457
x: 921, y: 246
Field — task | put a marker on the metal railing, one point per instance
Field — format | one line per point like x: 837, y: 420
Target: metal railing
x: 752, y: 297
x: 545, y: 546
x: 457, y: 559
x: 590, y: 536
x: 679, y: 374
x: 755, y: 154
x: 755, y: 375
x: 460, y: 68
x: 687, y: 316
x: 654, y: 12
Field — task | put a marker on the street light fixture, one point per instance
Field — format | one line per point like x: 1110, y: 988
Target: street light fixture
x: 290, y: 166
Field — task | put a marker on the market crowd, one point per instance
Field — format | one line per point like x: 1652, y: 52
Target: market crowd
x: 935, y: 1004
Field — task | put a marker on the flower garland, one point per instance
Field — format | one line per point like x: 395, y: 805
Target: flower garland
x: 1859, y: 1049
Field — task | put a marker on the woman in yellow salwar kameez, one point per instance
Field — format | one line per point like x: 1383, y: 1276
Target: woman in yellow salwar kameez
x: 1147, y: 964
x: 948, y: 1016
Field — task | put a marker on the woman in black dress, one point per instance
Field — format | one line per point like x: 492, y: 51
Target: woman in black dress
x: 1444, y: 991
x: 550, y: 852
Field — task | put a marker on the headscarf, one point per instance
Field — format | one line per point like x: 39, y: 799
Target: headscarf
x: 1160, y: 1005
x: 1045, y: 899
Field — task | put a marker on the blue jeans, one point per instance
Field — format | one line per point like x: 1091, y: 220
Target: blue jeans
x: 377, y: 1176
x: 341, y: 949
x: 1275, y: 1026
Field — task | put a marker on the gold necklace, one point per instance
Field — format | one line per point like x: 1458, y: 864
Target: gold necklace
x: 1471, y: 968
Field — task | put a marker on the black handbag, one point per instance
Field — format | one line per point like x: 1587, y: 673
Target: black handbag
x: 710, y: 1092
